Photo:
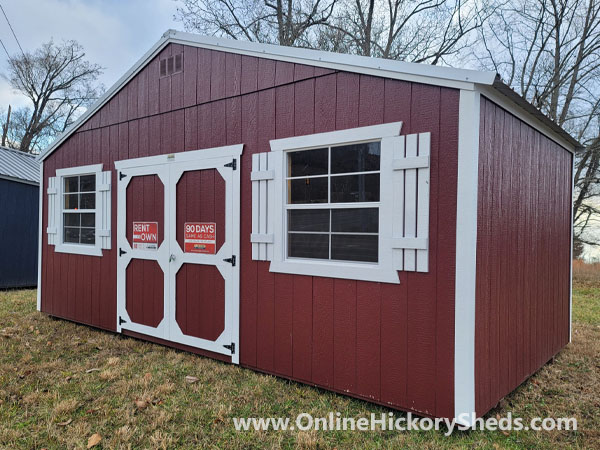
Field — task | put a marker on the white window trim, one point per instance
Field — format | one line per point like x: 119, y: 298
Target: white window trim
x: 383, y: 270
x: 79, y: 249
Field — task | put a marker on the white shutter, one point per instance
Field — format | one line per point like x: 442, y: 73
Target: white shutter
x: 264, y: 172
x: 103, y: 206
x: 53, y: 210
x: 410, y: 210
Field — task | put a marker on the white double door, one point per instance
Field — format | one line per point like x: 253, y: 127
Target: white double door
x: 188, y: 294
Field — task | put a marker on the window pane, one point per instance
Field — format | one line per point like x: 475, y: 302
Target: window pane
x: 307, y: 190
x: 88, y: 236
x: 71, y: 219
x: 87, y: 183
x: 87, y: 201
x: 355, y: 220
x: 71, y: 184
x: 354, y: 247
x: 71, y: 235
x: 88, y: 220
x: 308, y: 220
x: 308, y: 245
x: 355, y: 158
x: 71, y: 201
x: 307, y: 162
x: 355, y: 188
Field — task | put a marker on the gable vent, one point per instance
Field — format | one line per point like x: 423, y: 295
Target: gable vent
x: 171, y: 65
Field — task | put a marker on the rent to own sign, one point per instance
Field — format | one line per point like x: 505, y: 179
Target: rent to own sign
x: 200, y: 237
x: 145, y: 235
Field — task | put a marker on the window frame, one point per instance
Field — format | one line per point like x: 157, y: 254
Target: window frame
x: 383, y: 270
x: 69, y: 247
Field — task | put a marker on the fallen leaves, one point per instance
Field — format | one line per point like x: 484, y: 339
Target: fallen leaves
x: 94, y: 440
x: 141, y: 404
x: 65, y: 423
x: 190, y: 379
x: 95, y: 369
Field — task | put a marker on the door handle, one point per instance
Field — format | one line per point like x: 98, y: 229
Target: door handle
x: 171, y: 258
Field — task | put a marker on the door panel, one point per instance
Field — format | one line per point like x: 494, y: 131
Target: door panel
x: 188, y: 295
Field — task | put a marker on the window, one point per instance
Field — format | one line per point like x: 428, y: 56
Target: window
x: 79, y: 209
x: 333, y: 202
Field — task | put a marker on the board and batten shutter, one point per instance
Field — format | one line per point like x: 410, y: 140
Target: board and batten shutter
x: 103, y: 209
x: 263, y: 175
x: 103, y: 181
x: 410, y: 201
x: 53, y: 206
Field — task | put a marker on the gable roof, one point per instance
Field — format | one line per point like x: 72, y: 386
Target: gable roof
x: 19, y: 166
x: 386, y: 68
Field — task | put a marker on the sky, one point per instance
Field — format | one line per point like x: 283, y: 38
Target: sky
x: 100, y: 26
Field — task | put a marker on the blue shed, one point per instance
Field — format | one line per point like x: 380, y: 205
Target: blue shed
x: 19, y: 225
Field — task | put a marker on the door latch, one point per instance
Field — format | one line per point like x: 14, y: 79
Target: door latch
x: 230, y: 260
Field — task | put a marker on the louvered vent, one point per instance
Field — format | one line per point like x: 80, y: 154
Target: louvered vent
x: 171, y: 65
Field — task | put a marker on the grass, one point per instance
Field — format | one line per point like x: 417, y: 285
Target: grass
x: 136, y: 396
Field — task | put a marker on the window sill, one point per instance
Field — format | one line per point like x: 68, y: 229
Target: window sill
x: 328, y: 269
x: 89, y: 250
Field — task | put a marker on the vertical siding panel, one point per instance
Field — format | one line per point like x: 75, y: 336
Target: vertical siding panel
x: 344, y: 335
x: 284, y: 72
x: 368, y: 339
x: 325, y: 103
x: 348, y: 89
x: 97, y: 297
x: 190, y: 74
x: 176, y: 81
x: 233, y: 120
x: 233, y: 67
x: 164, y: 84
x: 266, y: 73
x: 446, y: 252
x: 218, y: 128
x: 133, y: 144
x: 425, y: 116
x: 154, y: 129
x: 191, y: 129
x: 142, y: 92
x: 304, y: 107
x: 248, y: 276
x: 322, y: 335
x: 132, y: 99
x: 283, y: 310
x: 265, y: 305
x: 123, y: 141
x: 302, y: 327
x: 217, y: 75
x: 153, y: 87
x: 203, y: 80
x: 204, y: 125
x: 249, y: 74
x: 372, y: 100
x: 123, y: 98
x: 284, y: 107
x: 302, y: 72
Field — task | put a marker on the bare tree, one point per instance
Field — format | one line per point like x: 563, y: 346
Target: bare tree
x: 417, y: 31
x: 549, y: 51
x: 283, y: 22
x: 59, y: 82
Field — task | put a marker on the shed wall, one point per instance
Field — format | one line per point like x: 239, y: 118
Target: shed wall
x: 392, y: 344
x: 523, y: 253
x: 18, y: 234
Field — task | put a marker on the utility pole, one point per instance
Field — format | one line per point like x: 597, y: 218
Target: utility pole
x: 5, y: 128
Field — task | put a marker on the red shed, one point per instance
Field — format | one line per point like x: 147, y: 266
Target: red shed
x: 396, y: 232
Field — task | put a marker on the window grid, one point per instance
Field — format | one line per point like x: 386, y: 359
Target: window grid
x: 77, y: 211
x: 329, y: 205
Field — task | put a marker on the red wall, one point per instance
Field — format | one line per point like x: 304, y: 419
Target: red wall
x: 392, y: 344
x: 523, y: 253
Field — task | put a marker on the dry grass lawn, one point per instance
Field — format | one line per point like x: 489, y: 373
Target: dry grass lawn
x: 61, y: 383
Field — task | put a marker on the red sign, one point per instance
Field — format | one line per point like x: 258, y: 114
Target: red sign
x: 145, y: 235
x: 200, y: 237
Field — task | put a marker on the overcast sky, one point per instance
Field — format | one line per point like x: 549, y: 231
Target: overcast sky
x: 114, y: 33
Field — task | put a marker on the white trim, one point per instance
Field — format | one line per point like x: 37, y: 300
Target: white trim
x: 261, y: 238
x: 411, y: 162
x: 505, y: 103
x: 571, y: 257
x: 333, y: 138
x: 466, y: 255
x: 229, y: 150
x: 79, y: 249
x: 262, y: 175
x: 40, y: 237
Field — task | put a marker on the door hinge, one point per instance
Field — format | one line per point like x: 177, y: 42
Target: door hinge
x: 121, y: 321
x: 230, y: 260
x: 231, y: 347
x: 121, y: 251
x: 121, y: 176
x: 232, y: 164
